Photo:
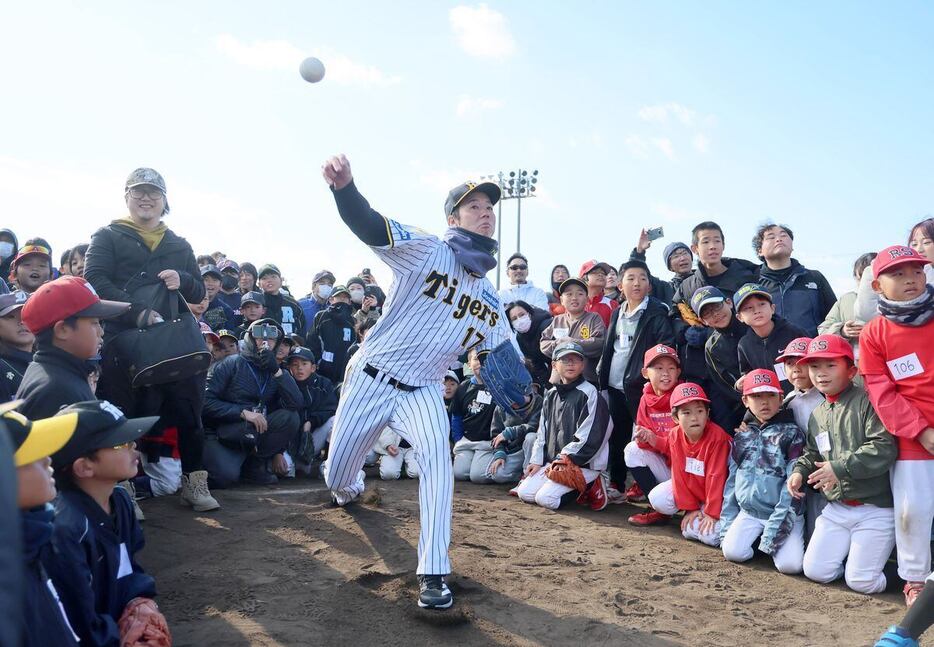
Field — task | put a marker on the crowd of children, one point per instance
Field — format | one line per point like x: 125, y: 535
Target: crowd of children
x: 712, y: 391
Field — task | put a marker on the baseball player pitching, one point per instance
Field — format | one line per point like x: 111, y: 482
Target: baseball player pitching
x: 439, y: 306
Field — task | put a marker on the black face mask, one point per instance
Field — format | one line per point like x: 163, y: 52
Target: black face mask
x: 555, y: 285
x: 229, y: 283
x: 339, y: 307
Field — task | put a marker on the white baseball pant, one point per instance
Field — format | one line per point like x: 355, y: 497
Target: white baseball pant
x: 861, y: 536
x: 390, y: 467
x: 540, y: 489
x: 368, y: 405
x: 913, y: 492
x: 636, y: 456
x: 745, y: 529
x: 662, y: 499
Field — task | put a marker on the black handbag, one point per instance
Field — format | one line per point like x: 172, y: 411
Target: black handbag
x: 164, y: 352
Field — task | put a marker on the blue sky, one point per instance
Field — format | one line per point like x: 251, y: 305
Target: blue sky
x: 636, y: 114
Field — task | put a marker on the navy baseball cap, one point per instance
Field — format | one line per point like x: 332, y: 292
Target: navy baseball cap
x: 705, y: 296
x: 11, y: 301
x: 253, y: 297
x: 322, y: 275
x: 229, y: 266
x: 100, y: 425
x: 747, y: 290
x: 568, y: 348
x: 212, y: 270
x: 461, y: 191
x: 302, y: 352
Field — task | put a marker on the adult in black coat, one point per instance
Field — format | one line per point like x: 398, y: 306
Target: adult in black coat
x: 134, y: 259
x: 250, y: 406
x: 653, y: 328
x: 528, y: 322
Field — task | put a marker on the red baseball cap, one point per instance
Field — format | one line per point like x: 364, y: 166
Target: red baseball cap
x: 828, y: 347
x: 68, y: 296
x: 893, y: 256
x: 761, y: 380
x: 687, y: 392
x: 593, y: 264
x: 796, y: 348
x: 659, y: 350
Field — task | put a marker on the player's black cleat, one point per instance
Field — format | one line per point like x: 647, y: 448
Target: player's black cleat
x: 433, y: 592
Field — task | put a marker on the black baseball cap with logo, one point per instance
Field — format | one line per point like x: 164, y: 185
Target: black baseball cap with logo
x: 461, y: 191
x: 100, y: 425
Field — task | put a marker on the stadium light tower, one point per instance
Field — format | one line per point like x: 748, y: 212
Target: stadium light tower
x: 515, y: 185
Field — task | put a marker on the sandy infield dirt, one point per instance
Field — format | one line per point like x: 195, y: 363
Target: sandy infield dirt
x: 277, y: 566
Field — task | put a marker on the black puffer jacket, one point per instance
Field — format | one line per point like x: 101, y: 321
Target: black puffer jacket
x: 286, y: 312
x: 320, y: 400
x: 723, y: 368
x: 738, y: 272
x: 239, y: 382
x: 530, y: 344
x: 760, y: 352
x: 330, y: 338
x: 121, y: 268
x: 53, y: 380
x: 802, y: 296
x: 654, y: 328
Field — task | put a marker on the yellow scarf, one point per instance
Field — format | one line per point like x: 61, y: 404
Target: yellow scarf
x: 152, y: 237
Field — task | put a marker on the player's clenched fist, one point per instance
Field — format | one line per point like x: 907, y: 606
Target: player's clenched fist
x: 336, y: 172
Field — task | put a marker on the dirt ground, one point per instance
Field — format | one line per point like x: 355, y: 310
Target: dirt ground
x: 277, y: 566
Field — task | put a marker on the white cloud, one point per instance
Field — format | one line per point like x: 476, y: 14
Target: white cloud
x: 468, y: 106
x: 283, y: 55
x: 664, y: 145
x: 482, y: 32
x: 638, y: 146
x: 662, y: 112
x: 701, y: 143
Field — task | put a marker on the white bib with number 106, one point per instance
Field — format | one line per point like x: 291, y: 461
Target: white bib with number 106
x: 905, y: 366
x: 694, y: 466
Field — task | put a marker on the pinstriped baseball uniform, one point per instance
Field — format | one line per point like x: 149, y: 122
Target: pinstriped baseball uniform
x: 434, y: 312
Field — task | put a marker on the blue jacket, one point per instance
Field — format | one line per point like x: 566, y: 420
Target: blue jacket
x: 762, y: 459
x: 804, y: 297
x: 92, y: 563
x: 311, y: 306
x: 237, y: 383
x: 43, y: 621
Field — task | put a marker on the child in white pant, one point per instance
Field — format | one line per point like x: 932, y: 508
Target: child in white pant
x: 756, y: 504
x: 574, y: 424
x: 699, y: 450
x: 394, y: 453
x: 847, y: 457
x: 898, y: 368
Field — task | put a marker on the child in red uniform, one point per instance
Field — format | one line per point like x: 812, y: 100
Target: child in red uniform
x: 897, y: 363
x: 699, y: 451
x: 647, y: 455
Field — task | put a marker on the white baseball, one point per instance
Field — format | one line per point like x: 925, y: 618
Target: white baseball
x: 311, y: 69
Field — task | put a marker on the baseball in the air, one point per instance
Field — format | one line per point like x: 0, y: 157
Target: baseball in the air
x: 311, y: 69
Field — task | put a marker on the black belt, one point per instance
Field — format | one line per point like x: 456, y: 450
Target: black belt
x: 373, y: 372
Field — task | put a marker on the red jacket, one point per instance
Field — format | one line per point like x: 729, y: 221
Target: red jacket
x: 603, y: 306
x: 899, y: 374
x: 654, y: 413
x: 699, y: 470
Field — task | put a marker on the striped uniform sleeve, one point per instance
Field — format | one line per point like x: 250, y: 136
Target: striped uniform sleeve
x: 591, y: 429
x: 401, y: 247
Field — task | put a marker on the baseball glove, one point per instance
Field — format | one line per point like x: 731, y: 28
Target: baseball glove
x: 563, y: 471
x: 688, y: 315
x: 142, y: 625
x: 505, y: 376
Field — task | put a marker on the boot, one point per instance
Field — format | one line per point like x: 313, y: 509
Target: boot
x: 195, y: 492
x: 131, y: 490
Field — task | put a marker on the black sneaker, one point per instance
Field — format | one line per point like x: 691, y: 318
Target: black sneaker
x: 254, y: 472
x: 433, y: 592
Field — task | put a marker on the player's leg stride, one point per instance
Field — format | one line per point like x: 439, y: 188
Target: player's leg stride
x: 395, y: 378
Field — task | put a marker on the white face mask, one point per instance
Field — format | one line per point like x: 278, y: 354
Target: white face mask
x: 522, y: 324
x: 6, y: 249
x: 356, y: 296
x: 324, y: 290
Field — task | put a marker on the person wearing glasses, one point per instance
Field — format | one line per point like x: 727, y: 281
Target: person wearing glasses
x: 251, y: 409
x: 520, y: 288
x: 133, y: 259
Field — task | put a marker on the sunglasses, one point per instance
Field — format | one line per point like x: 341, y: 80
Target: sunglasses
x: 518, y: 267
